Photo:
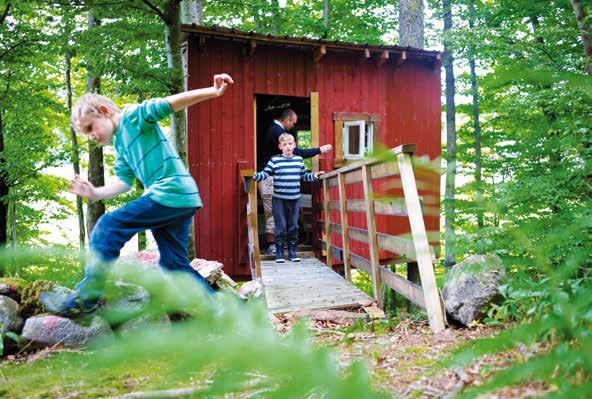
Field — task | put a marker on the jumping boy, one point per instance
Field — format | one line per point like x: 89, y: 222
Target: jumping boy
x: 171, y: 197
x: 287, y: 170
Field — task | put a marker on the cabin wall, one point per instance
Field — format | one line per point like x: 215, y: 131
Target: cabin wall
x: 221, y: 131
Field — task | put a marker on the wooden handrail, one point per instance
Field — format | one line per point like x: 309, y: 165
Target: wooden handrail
x: 395, y: 163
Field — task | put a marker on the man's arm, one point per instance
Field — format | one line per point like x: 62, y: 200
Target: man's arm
x: 82, y: 187
x: 183, y: 100
x: 311, y: 152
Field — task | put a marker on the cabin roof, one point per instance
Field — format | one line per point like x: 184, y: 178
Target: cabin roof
x: 289, y: 41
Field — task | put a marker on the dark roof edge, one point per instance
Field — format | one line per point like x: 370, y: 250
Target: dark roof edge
x: 300, y: 41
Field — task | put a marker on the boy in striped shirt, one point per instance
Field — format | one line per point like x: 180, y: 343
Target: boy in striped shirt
x: 287, y: 170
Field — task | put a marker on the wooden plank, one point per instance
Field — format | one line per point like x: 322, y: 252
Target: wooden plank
x: 361, y: 263
x: 307, y: 285
x: 406, y: 288
x: 254, y: 233
x: 355, y: 116
x: 402, y: 149
x: 327, y: 221
x: 344, y: 224
x: 314, y: 127
x: 382, y: 206
x: 420, y: 240
x: 372, y: 242
x: 339, y: 160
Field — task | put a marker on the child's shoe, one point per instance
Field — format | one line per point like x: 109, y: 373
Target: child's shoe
x: 292, y: 253
x: 279, y: 255
x: 70, y: 305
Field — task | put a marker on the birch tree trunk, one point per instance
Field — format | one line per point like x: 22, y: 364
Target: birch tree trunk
x: 326, y: 10
x: 477, y: 134
x: 411, y: 23
x: 449, y: 206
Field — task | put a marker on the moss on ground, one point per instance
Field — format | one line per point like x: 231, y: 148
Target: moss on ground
x: 30, y: 305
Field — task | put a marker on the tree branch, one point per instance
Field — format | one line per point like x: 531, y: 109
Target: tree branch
x: 155, y: 9
x: 4, y: 14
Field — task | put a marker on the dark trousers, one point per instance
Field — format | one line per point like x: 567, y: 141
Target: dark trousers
x: 285, y: 217
x: 169, y: 226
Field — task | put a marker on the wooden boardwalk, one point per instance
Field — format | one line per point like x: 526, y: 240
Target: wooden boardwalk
x: 307, y: 285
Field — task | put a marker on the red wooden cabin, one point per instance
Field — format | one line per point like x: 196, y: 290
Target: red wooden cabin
x: 353, y: 96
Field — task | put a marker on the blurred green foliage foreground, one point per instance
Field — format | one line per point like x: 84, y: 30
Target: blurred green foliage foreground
x: 222, y: 346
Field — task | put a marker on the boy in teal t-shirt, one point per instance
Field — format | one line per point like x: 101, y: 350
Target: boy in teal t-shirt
x: 166, y: 208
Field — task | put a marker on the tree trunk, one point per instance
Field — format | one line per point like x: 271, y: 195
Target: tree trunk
x: 4, y: 188
x: 96, y: 170
x: 13, y: 232
x: 411, y: 23
x: 192, y: 12
x: 584, y: 25
x: 326, y: 10
x: 477, y: 133
x: 174, y: 45
x: 75, y: 154
x: 449, y: 206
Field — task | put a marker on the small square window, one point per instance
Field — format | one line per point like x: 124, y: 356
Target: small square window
x: 357, y: 139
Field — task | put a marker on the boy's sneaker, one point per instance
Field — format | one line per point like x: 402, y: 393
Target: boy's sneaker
x: 271, y: 249
x: 292, y: 253
x: 279, y: 255
x: 70, y: 305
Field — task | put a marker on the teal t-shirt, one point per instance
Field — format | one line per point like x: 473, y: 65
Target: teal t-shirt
x: 143, y: 152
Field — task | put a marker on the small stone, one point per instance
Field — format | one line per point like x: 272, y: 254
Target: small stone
x: 49, y: 330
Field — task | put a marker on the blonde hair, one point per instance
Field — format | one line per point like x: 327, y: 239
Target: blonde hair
x: 284, y: 137
x: 88, y: 104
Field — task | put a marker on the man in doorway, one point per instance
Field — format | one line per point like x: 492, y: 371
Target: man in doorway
x: 285, y: 122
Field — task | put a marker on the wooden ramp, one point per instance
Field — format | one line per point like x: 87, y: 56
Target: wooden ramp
x: 306, y: 285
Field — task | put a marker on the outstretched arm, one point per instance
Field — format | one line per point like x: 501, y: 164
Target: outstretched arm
x: 183, y: 100
x: 82, y: 187
x: 311, y: 152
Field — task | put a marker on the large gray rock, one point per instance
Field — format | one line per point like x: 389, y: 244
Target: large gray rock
x: 124, y: 302
x: 471, y: 285
x: 49, y: 330
x: 143, y: 323
x: 11, y: 322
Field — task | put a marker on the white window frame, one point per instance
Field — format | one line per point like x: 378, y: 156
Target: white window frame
x: 365, y: 146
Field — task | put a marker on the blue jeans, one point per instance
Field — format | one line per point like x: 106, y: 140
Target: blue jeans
x: 285, y: 217
x: 169, y: 226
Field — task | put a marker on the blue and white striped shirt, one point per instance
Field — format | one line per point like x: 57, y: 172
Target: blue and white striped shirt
x: 287, y: 173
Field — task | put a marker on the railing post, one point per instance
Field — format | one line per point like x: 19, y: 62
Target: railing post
x: 344, y: 226
x: 327, y: 208
x: 372, y: 239
x: 421, y: 244
x: 253, y: 229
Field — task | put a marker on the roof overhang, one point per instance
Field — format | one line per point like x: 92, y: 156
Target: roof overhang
x: 318, y: 45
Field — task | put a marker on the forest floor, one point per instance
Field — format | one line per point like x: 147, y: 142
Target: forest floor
x: 405, y: 360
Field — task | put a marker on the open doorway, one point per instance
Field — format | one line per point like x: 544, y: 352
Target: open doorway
x: 269, y: 107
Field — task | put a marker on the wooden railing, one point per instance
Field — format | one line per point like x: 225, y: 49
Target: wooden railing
x: 395, y: 163
x: 253, y: 230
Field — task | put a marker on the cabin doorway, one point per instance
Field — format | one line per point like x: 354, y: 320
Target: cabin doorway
x: 268, y: 108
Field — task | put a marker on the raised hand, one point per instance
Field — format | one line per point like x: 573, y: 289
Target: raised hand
x: 221, y: 82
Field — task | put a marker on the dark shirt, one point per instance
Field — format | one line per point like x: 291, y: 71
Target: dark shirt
x: 270, y: 147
